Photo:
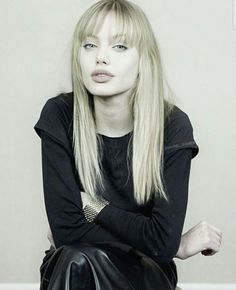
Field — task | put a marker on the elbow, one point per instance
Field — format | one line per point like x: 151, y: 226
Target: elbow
x: 164, y: 255
x: 62, y: 237
x: 62, y: 240
x: 59, y: 240
x: 163, y: 248
x: 171, y: 248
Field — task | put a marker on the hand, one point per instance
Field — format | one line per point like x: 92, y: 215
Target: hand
x: 97, y: 204
x: 203, y: 238
x: 86, y: 198
x: 50, y: 238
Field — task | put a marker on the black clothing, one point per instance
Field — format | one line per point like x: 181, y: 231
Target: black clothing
x: 104, y: 267
x: 154, y: 229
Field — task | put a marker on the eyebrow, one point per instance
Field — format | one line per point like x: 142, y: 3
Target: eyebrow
x: 113, y: 37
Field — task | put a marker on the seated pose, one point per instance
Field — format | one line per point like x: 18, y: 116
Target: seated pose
x: 116, y: 158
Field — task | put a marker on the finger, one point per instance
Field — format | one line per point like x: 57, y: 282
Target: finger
x: 215, y: 237
x: 214, y: 245
x: 216, y: 230
x: 211, y: 231
x: 208, y: 252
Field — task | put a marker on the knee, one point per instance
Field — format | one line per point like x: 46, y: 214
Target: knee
x: 73, y: 254
x: 71, y: 267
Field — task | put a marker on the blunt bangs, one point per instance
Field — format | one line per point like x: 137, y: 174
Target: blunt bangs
x: 126, y: 19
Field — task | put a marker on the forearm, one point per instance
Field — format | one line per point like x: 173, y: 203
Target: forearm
x: 92, y: 209
x: 144, y: 240
x: 159, y: 234
x: 62, y: 199
x: 91, y: 206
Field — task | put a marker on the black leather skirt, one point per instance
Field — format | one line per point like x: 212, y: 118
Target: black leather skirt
x: 104, y: 267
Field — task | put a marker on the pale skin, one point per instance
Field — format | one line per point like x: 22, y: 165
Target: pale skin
x: 113, y: 116
x: 103, y: 51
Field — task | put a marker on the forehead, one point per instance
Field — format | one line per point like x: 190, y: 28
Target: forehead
x: 111, y: 36
x: 108, y: 24
x: 117, y: 27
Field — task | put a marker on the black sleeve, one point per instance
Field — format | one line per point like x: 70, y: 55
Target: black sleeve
x: 61, y: 185
x: 159, y: 235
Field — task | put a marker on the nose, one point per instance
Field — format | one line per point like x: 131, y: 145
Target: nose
x: 102, y: 56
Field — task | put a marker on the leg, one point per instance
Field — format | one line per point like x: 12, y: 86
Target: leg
x: 106, y: 266
x: 66, y: 269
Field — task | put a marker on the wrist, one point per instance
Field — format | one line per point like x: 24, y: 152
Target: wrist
x: 92, y: 209
x: 98, y: 204
x: 181, y: 251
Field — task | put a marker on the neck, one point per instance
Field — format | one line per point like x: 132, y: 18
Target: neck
x: 113, y: 115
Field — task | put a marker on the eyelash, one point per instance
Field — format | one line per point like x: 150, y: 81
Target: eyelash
x: 85, y: 46
x: 125, y: 47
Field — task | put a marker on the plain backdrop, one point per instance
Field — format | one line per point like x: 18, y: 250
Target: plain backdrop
x: 198, y: 48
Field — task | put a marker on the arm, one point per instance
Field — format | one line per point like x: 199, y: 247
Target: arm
x: 158, y: 235
x: 202, y: 238
x: 62, y: 197
x: 61, y: 183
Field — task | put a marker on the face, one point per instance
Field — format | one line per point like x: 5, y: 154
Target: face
x: 103, y: 52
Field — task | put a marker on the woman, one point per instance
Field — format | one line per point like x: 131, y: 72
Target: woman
x: 116, y: 158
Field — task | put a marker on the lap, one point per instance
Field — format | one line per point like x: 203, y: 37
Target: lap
x: 103, y: 266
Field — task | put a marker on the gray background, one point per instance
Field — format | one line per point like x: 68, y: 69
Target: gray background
x: 197, y: 42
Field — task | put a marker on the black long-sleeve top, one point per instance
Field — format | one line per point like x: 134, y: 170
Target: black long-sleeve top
x: 155, y: 228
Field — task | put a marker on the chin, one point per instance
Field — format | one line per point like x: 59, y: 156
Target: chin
x: 106, y: 90
x: 103, y: 93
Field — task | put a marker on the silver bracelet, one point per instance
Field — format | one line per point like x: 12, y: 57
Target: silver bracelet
x: 91, y: 210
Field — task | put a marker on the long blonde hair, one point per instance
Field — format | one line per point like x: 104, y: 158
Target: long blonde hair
x: 148, y: 100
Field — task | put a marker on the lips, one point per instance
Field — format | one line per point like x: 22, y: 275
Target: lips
x: 102, y: 73
x: 101, y: 76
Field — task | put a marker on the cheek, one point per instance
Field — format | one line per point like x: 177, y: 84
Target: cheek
x: 131, y: 71
x: 85, y: 64
x: 86, y: 78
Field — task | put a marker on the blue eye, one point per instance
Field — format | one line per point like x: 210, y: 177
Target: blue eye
x: 121, y: 47
x: 88, y: 44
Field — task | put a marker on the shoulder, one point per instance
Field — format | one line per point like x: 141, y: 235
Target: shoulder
x: 178, y: 132
x: 62, y: 103
x: 56, y: 116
